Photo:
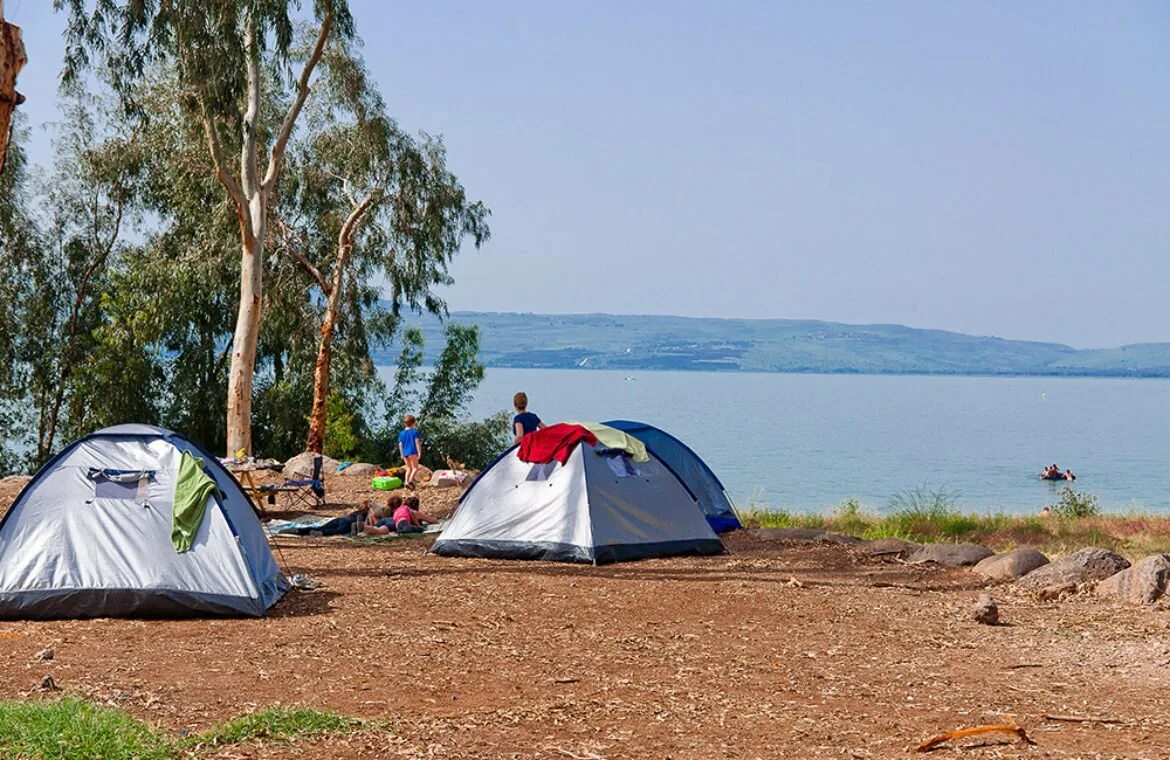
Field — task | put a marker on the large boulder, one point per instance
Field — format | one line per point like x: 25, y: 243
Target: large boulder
x: 360, y: 469
x: 890, y: 547
x: 1144, y: 583
x: 301, y: 466
x: 1010, y: 565
x: 1091, y: 564
x: 951, y: 555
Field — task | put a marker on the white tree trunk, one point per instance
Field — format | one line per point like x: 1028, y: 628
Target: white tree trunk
x: 251, y: 195
x: 247, y: 334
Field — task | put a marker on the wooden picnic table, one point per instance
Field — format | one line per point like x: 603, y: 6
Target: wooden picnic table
x: 243, y: 471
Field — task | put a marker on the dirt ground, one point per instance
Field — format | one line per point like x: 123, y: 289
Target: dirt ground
x: 775, y: 650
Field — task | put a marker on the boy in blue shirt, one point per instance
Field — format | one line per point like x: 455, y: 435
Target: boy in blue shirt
x: 410, y: 447
x: 524, y: 422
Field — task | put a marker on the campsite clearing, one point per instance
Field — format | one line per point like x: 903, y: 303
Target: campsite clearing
x: 776, y: 650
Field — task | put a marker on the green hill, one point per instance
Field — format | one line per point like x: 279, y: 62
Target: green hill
x: 607, y: 341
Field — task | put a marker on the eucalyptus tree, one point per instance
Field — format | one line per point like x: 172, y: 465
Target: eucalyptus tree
x: 368, y: 202
x: 20, y: 248
x: 86, y: 206
x: 219, y: 51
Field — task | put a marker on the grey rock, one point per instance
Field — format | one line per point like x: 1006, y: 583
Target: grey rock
x: 1144, y: 583
x: 301, y: 465
x: 951, y: 555
x: 1011, y: 565
x: 1091, y: 564
x: 841, y: 538
x: 890, y: 547
x: 44, y: 654
x: 360, y: 469
x: 789, y: 534
x: 986, y: 611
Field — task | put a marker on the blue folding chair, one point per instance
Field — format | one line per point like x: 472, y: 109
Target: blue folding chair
x: 307, y: 491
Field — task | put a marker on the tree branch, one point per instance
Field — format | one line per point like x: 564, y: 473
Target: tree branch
x: 249, y: 160
x: 294, y: 110
x: 312, y: 271
x: 221, y: 171
x: 345, y: 235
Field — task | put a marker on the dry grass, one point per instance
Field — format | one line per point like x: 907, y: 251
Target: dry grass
x: 1134, y: 535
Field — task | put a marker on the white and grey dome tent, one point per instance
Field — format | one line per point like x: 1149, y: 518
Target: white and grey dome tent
x: 598, y: 507
x: 91, y: 536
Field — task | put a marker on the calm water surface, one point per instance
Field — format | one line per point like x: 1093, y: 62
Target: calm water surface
x: 809, y: 441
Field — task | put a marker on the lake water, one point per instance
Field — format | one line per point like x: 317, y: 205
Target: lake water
x: 810, y: 441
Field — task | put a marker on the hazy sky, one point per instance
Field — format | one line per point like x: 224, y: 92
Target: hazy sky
x: 989, y: 167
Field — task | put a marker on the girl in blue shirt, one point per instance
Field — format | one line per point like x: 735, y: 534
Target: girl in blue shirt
x: 410, y: 447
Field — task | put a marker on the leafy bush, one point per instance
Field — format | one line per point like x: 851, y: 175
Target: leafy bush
x: 1074, y: 505
x: 342, y: 427
x: 472, y: 444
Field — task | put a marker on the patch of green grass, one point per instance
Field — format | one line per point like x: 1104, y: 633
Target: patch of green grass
x: 276, y: 723
x: 72, y: 729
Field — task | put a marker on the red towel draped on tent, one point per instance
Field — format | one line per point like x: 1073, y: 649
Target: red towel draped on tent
x: 554, y: 442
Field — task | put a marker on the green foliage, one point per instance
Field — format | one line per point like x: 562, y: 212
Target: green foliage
x: 439, y: 399
x: 472, y: 444
x: 127, y: 285
x: 342, y: 431
x: 19, y: 250
x: 455, y: 376
x: 72, y: 729
x: 1074, y: 505
x: 205, y: 43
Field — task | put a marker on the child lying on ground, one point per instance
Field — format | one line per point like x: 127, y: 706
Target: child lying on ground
x: 406, y: 518
x: 343, y: 526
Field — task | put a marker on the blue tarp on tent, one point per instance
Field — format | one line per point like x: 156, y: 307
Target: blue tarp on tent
x: 690, y: 469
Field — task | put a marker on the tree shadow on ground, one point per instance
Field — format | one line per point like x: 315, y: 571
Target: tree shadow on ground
x: 298, y: 603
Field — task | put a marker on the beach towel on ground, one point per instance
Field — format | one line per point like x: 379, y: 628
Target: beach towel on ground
x: 616, y: 440
x: 554, y: 442
x: 193, y: 488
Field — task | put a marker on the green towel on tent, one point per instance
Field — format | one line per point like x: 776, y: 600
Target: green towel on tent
x: 193, y: 488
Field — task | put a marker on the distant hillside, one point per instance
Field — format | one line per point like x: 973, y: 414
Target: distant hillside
x: 606, y: 341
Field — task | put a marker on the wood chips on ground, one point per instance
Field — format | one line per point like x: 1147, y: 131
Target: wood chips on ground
x: 777, y: 650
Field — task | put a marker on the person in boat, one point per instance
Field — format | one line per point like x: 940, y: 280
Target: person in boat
x: 1069, y: 475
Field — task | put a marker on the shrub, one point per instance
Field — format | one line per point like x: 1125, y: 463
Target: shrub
x: 1074, y: 505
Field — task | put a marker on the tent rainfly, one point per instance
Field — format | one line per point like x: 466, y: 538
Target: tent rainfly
x: 692, y: 470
